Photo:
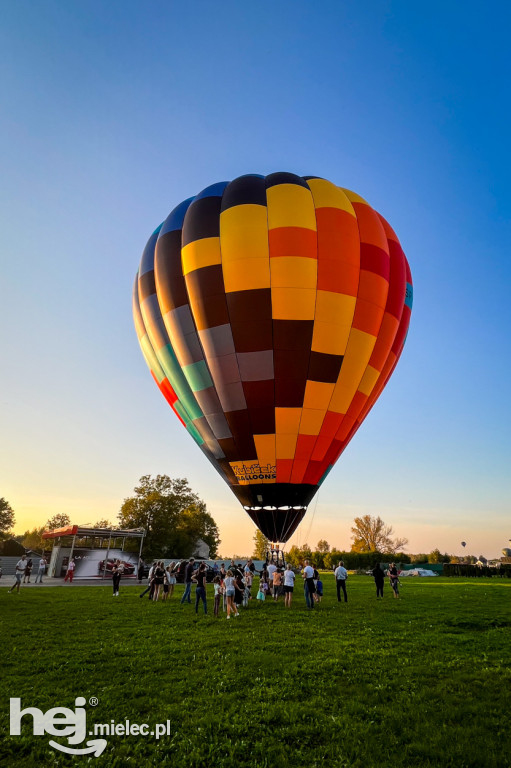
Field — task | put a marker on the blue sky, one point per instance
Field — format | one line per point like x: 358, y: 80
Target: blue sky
x: 113, y: 113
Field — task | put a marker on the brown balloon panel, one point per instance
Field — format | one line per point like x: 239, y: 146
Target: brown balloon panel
x: 271, y: 312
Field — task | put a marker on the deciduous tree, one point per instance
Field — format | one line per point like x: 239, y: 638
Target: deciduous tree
x: 371, y: 534
x: 261, y: 545
x: 173, y: 516
x: 6, y: 518
x: 33, y: 539
x: 57, y: 521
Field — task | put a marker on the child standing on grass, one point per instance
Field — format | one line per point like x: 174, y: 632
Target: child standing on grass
x: 319, y: 589
x: 260, y: 592
x: 217, y: 586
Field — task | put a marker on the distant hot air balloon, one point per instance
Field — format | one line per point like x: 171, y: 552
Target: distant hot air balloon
x: 463, y: 543
x: 271, y: 312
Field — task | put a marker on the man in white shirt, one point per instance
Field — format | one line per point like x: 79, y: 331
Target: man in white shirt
x: 341, y: 574
x: 41, y: 570
x: 289, y: 583
x: 271, y: 570
x: 308, y: 584
x: 19, y: 573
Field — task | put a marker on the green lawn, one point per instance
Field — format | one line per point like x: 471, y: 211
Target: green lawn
x: 421, y: 681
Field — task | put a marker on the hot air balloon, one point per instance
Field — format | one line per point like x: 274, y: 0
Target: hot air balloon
x: 463, y: 543
x: 271, y: 312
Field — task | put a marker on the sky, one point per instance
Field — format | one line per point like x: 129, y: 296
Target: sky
x: 112, y: 113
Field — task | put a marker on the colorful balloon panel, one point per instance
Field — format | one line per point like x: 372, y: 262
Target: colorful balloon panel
x: 271, y: 312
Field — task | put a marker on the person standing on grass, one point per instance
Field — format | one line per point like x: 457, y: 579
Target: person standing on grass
x: 308, y: 584
x: 188, y: 582
x: 247, y: 581
x: 140, y: 570
x: 71, y: 570
x: 289, y: 583
x: 379, y: 580
x: 341, y: 574
x: 150, y: 582
x: 277, y: 583
x: 217, y: 586
x: 229, y: 594
x: 171, y: 579
x: 271, y: 568
x: 19, y: 572
x: 394, y: 579
x: 117, y: 572
x: 261, y: 591
x: 41, y: 570
x: 200, y: 589
x: 319, y: 589
x: 158, y: 578
x: 239, y: 588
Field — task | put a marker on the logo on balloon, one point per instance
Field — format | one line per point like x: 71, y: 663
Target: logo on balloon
x: 245, y: 473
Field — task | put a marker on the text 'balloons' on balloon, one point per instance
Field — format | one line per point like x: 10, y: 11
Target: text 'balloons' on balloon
x: 271, y: 312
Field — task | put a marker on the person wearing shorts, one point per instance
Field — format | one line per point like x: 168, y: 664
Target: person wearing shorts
x: 229, y: 594
x: 289, y: 583
x: 19, y: 573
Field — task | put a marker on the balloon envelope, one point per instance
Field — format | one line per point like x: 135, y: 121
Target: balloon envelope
x: 271, y: 312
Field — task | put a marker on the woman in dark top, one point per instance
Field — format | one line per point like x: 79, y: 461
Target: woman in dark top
x: 158, y: 579
x: 239, y: 589
x: 379, y: 580
x: 117, y: 572
x: 200, y: 590
x: 28, y: 571
x: 394, y: 579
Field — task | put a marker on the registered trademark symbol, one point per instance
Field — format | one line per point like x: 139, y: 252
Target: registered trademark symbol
x: 93, y: 701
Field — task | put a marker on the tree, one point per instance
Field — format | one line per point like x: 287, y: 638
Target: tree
x: 371, y: 534
x: 33, y: 539
x: 102, y: 524
x: 437, y: 557
x: 323, y: 546
x: 6, y: 518
x: 57, y: 521
x: 173, y: 516
x: 261, y: 545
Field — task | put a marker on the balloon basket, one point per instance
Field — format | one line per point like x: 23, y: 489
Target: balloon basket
x: 276, y: 556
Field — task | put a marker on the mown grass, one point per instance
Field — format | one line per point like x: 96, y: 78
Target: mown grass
x: 423, y: 681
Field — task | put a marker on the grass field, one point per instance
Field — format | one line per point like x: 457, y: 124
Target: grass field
x: 422, y: 681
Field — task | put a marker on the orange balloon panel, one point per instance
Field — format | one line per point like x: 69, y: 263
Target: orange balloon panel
x: 271, y: 312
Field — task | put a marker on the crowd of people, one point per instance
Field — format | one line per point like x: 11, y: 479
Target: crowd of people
x: 233, y: 587
x: 236, y: 585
